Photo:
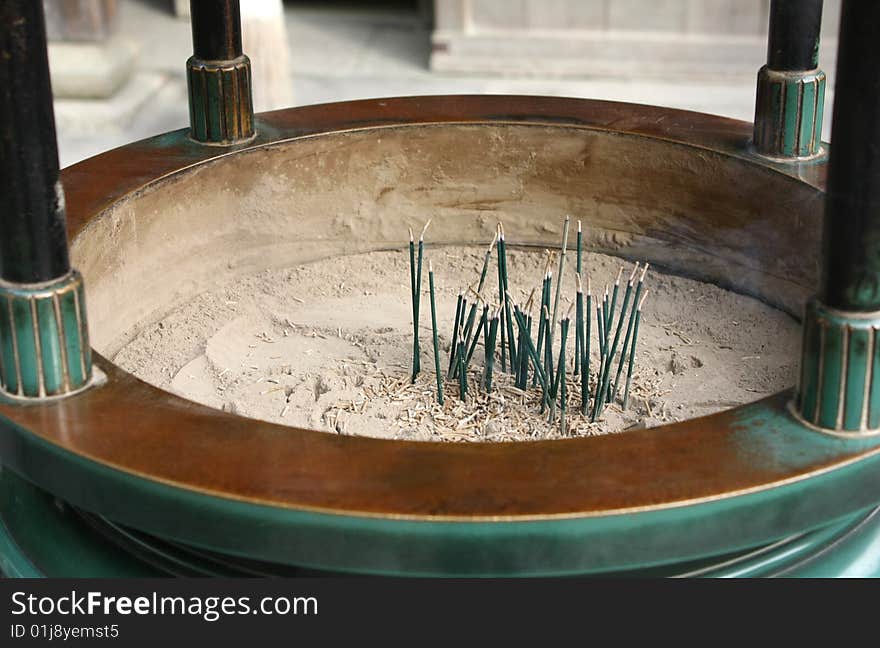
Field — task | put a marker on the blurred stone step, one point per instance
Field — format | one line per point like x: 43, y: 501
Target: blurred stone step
x: 91, y: 70
x: 112, y: 114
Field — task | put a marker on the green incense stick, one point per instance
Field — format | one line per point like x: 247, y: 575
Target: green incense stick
x: 517, y: 373
x: 501, y: 290
x: 613, y: 306
x: 486, y: 327
x: 484, y: 271
x: 545, y: 303
x: 415, y: 316
x: 462, y: 370
x: 434, y: 331
x: 585, y: 373
x: 508, y: 322
x: 563, y: 388
x: 605, y: 378
x: 539, y: 372
x: 490, y: 351
x: 579, y: 329
x: 632, y: 351
x: 464, y: 308
x: 476, y: 338
x: 600, y: 334
x: 578, y: 323
x: 629, y: 330
x: 606, y: 318
x: 524, y: 357
x: 522, y: 360
x: 454, y: 343
x: 559, y: 276
x: 560, y: 369
x: 471, y: 316
x: 417, y: 364
x: 548, y: 348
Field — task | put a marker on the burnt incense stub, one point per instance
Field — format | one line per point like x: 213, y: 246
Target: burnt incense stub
x: 839, y: 389
x: 44, y: 343
x: 220, y: 100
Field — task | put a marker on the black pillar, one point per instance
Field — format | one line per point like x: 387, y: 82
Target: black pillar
x: 851, y: 253
x: 216, y: 29
x: 793, y: 42
x: 33, y: 238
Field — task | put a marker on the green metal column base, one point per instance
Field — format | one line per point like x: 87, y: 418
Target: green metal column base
x: 44, y: 343
x: 221, y: 106
x: 841, y: 351
x: 788, y: 114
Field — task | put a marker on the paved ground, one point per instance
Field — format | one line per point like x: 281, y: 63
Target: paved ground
x: 337, y: 53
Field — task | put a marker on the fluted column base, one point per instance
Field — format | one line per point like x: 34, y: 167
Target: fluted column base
x: 221, y: 107
x: 788, y: 114
x: 44, y: 342
x: 839, y: 390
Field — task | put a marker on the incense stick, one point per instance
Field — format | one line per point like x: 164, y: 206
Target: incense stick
x: 548, y: 349
x: 486, y: 327
x: 525, y: 356
x: 414, y: 298
x: 563, y: 396
x: 579, y: 329
x: 629, y: 330
x: 560, y: 369
x: 501, y: 288
x: 559, y: 276
x: 486, y: 258
x: 454, y: 343
x: 476, y: 337
x: 517, y: 373
x: 605, y: 377
x: 585, y: 366
x: 417, y: 353
x: 545, y: 302
x: 606, y: 317
x: 613, y: 306
x: 578, y: 323
x: 632, y: 352
x: 490, y: 351
x: 508, y: 322
x: 600, y: 334
x: 483, y: 273
x: 434, y: 332
x: 462, y: 370
x: 539, y: 372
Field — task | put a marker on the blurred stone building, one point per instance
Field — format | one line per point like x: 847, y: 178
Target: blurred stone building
x: 610, y: 38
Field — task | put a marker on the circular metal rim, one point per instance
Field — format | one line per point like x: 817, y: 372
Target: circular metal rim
x: 80, y: 544
x: 707, y: 464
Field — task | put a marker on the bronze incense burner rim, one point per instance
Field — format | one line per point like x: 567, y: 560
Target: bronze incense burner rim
x: 94, y: 184
x: 150, y: 434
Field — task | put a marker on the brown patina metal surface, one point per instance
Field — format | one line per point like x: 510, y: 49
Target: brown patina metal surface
x: 136, y: 428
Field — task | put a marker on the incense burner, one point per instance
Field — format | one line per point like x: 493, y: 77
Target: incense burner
x: 105, y: 475
x: 152, y: 222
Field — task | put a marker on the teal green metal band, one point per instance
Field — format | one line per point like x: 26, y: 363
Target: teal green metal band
x: 39, y: 536
x: 788, y: 114
x: 687, y: 531
x: 838, y: 391
x: 44, y: 343
x: 220, y: 100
